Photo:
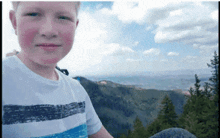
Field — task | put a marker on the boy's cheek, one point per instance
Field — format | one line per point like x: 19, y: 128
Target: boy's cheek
x: 26, y: 37
x: 69, y: 39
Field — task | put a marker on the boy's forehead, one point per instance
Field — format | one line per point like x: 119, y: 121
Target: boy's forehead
x: 67, y: 6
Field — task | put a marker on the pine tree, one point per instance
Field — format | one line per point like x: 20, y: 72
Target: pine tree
x: 198, y: 113
x: 189, y: 118
x: 139, y: 130
x: 190, y: 105
x: 215, y: 74
x: 123, y: 136
x: 207, y: 91
x: 198, y: 92
x: 167, y: 118
x: 188, y: 108
x: 215, y: 91
x: 129, y: 134
x: 199, y: 97
x: 167, y: 115
x: 153, y: 128
x: 207, y: 122
x: 189, y: 122
x: 212, y: 120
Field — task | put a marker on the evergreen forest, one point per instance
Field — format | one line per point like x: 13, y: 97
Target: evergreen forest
x: 200, y: 115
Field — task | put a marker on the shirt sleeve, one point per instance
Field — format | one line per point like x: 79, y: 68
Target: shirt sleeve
x: 92, y: 120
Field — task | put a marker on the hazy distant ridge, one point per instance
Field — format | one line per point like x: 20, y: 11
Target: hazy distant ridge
x: 118, y: 105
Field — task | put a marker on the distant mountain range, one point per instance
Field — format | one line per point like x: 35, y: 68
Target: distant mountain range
x: 206, y: 71
x: 118, y: 105
x: 191, y: 72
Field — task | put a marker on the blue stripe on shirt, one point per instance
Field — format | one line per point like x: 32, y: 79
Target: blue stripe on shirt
x: 77, y: 132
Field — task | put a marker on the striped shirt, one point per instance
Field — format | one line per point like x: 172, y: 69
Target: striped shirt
x: 34, y: 106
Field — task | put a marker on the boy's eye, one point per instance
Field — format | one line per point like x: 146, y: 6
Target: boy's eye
x: 64, y: 18
x: 32, y: 14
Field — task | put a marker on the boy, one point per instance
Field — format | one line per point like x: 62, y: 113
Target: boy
x: 38, y: 100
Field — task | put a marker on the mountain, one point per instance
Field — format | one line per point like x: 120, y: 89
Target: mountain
x: 191, y: 72
x: 118, y: 105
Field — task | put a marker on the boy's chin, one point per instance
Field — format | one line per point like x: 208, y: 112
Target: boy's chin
x: 41, y: 61
x: 50, y: 62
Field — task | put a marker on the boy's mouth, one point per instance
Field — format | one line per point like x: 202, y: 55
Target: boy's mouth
x: 48, y: 45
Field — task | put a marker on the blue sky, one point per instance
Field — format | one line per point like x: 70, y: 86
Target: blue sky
x: 132, y: 37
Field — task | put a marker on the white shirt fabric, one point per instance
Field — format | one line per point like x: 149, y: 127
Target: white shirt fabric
x: 34, y: 106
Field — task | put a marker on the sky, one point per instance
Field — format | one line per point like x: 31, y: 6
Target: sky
x: 129, y: 38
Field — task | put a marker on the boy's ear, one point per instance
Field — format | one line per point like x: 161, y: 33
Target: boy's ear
x: 77, y: 22
x: 12, y: 16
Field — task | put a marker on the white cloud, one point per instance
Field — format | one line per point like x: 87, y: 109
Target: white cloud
x: 214, y: 15
x: 139, y: 11
x: 195, y: 62
x: 176, y: 13
x: 136, y: 43
x: 132, y: 60
x: 114, y: 49
x: 148, y: 28
x: 164, y: 60
x: 206, y: 50
x: 99, y: 6
x: 106, y: 11
x: 185, y: 22
x: 173, y: 54
x: 192, y: 26
x: 190, y: 58
x: 152, y: 51
x: 89, y: 28
x: 127, y: 11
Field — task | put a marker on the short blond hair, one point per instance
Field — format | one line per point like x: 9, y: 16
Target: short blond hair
x: 77, y: 6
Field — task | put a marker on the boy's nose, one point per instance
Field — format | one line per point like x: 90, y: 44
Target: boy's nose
x: 48, y: 29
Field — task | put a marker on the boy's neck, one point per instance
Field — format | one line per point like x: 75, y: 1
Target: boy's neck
x: 44, y: 71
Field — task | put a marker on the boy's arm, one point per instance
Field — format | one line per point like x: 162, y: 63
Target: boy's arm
x: 102, y: 133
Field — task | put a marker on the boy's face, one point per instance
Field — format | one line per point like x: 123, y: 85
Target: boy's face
x: 45, y: 30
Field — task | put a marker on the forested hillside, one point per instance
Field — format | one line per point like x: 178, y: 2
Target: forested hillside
x: 131, y: 112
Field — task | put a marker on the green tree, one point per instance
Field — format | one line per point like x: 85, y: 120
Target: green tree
x: 190, y: 104
x: 212, y: 120
x: 167, y: 114
x: 199, y: 97
x: 129, y: 134
x: 198, y: 113
x: 207, y: 122
x: 167, y: 118
x: 188, y: 108
x: 207, y: 90
x: 214, y: 85
x: 215, y: 74
x: 190, y: 122
x: 139, y: 130
x: 123, y: 136
x: 153, y: 128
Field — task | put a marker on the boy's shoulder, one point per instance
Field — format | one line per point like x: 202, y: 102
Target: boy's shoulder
x: 70, y: 80
x: 8, y: 59
x: 9, y: 63
x: 11, y: 66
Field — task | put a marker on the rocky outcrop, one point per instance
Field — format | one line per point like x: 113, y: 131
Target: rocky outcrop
x: 174, y: 133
